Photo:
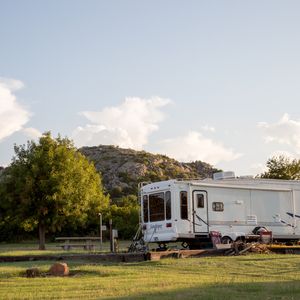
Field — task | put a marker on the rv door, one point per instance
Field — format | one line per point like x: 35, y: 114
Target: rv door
x: 200, y: 219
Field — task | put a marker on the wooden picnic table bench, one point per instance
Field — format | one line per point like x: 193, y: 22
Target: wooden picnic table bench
x: 85, y: 242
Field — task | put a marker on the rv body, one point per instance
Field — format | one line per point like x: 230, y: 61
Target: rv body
x: 187, y: 211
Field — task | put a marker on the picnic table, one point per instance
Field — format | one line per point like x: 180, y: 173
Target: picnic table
x: 85, y: 242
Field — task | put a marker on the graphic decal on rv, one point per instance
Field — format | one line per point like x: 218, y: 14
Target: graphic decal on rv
x: 292, y: 215
x: 286, y: 223
x: 200, y: 219
x: 279, y: 220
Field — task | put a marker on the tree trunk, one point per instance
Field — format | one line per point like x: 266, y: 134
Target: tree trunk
x: 42, y: 235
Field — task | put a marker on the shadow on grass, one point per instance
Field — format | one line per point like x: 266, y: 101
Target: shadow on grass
x: 287, y: 290
x: 273, y: 258
x: 78, y: 273
x: 73, y: 273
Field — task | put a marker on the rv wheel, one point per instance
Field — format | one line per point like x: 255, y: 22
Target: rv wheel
x: 226, y: 240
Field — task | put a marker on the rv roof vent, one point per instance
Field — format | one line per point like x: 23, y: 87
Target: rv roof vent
x: 223, y: 175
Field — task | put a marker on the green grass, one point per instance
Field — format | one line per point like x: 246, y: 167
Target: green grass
x: 243, y: 277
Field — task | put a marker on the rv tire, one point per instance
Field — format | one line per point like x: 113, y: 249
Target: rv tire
x: 226, y: 240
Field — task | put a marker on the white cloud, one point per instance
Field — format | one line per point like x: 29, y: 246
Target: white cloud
x: 284, y: 153
x: 258, y: 168
x: 127, y: 125
x: 32, y: 133
x: 208, y: 128
x: 286, y: 131
x: 194, y: 146
x: 12, y: 115
x: 11, y: 84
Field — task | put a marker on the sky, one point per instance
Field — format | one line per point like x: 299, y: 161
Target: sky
x: 217, y: 81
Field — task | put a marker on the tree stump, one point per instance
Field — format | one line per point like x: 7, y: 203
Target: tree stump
x: 59, y: 269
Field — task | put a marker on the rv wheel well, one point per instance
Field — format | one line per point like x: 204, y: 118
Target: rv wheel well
x: 241, y: 238
x: 257, y: 229
x: 226, y: 240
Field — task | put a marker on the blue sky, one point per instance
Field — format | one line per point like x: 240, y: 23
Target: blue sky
x: 211, y: 80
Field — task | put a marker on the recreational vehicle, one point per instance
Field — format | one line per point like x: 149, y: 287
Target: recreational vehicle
x: 188, y: 211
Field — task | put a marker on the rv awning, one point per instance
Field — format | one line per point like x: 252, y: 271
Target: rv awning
x: 238, y: 186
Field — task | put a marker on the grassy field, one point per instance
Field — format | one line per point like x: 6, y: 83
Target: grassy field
x: 243, y: 277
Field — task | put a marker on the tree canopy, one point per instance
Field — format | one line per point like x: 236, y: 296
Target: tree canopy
x: 282, y: 167
x: 125, y: 214
x: 50, y: 184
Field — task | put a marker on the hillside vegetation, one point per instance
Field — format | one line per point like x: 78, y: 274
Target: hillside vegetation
x: 123, y: 169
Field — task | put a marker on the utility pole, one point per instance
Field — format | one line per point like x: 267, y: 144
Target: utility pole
x: 100, y: 216
x: 112, y: 248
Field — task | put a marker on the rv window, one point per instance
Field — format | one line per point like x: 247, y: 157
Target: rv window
x: 217, y: 206
x: 168, y: 205
x: 183, y: 205
x: 157, y: 207
x: 145, y: 208
x: 200, y: 200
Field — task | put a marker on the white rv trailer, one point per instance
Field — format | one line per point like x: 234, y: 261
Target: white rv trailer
x: 187, y: 211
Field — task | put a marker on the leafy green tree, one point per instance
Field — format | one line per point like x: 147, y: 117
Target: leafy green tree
x: 282, y: 167
x: 50, y: 184
x: 125, y: 216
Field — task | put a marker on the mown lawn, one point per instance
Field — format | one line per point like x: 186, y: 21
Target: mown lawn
x: 243, y: 277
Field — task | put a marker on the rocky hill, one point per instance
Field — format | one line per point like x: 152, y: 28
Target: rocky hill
x: 123, y: 169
